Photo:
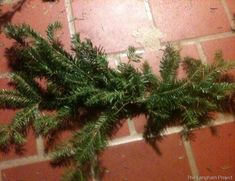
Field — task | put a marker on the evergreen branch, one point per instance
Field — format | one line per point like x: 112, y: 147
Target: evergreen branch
x: 23, y: 118
x: 63, y: 154
x: 51, y: 30
x: 74, y: 174
x: 4, y: 137
x: 46, y: 124
x: 92, y: 138
x: 151, y: 79
x: 12, y: 99
x: 169, y: 64
x: 15, y: 132
x: 132, y: 56
x: 82, y: 89
x: 26, y: 86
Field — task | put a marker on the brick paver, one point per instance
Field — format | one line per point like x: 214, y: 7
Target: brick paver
x: 214, y: 154
x: 197, y: 28
x: 111, y: 24
x: 33, y: 172
x: 188, y: 19
x: 137, y: 161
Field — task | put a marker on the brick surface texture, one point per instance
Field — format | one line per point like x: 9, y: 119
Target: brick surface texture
x: 197, y: 28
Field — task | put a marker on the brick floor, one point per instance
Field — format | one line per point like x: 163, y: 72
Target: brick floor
x: 189, y: 50
x: 33, y: 172
x: 27, y: 150
x: 231, y: 6
x: 4, y: 83
x: 5, y: 117
x: 4, y: 44
x: 137, y: 161
x: 122, y: 130
x: 198, y: 28
x: 139, y: 122
x: 110, y: 24
x: 188, y: 19
x: 225, y: 45
x: 214, y: 154
x: 37, y: 14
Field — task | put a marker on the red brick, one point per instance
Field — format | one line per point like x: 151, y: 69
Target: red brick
x: 110, y: 24
x: 140, y: 122
x: 32, y: 12
x: 6, y: 115
x: 214, y: 154
x: 112, y: 63
x: 4, y: 44
x: 122, y: 130
x: 231, y: 6
x: 225, y: 45
x: 58, y: 139
x: 154, y: 58
x: 33, y: 172
x: 137, y: 161
x: 4, y: 83
x: 189, y: 19
x: 30, y: 146
x: 189, y: 51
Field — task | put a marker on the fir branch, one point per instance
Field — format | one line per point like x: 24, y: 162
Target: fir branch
x: 169, y: 64
x: 26, y: 86
x: 16, y: 131
x: 92, y: 138
x: 82, y: 89
x: 47, y: 124
x: 51, y: 31
x: 13, y: 99
x: 74, y: 174
x: 23, y: 118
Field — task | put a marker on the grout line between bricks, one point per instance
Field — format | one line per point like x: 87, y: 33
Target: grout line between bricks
x: 4, y: 75
x: 201, y: 53
x: 117, y: 56
x: 189, y: 41
x: 228, y: 14
x: 124, y: 140
x: 70, y: 17
x: 139, y: 137
x: 40, y: 146
x: 123, y: 53
x: 22, y: 161
x: 213, y: 37
x: 93, y: 174
x: 148, y: 11
x: 131, y: 127
x: 222, y: 119
x: 191, y: 159
x: 133, y: 134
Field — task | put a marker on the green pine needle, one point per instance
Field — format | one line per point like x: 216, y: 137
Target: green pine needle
x: 83, y: 94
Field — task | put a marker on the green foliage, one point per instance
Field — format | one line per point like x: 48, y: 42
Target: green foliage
x: 81, y: 90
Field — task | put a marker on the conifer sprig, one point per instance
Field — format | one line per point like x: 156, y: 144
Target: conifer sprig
x: 81, y: 90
